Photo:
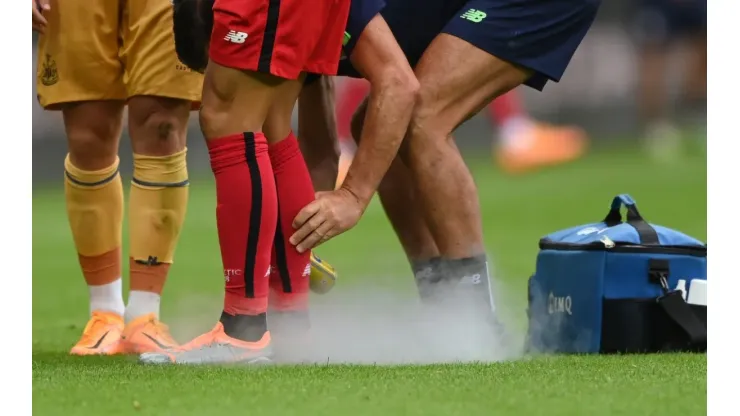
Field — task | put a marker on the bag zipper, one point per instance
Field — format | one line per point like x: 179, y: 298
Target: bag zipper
x: 606, y: 243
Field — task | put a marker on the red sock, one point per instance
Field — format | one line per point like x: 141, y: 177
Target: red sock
x: 289, y: 268
x: 506, y: 107
x: 246, y: 217
x: 350, y: 96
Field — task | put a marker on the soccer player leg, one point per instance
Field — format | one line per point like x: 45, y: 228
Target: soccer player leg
x: 401, y: 204
x: 317, y: 131
x: 656, y: 29
x: 79, y: 74
x: 254, y: 48
x: 289, y: 269
x: 161, y: 91
x: 451, y: 93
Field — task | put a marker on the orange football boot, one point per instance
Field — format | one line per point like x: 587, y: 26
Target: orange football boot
x: 214, y: 347
x: 548, y: 146
x: 146, y: 334
x: 101, y: 336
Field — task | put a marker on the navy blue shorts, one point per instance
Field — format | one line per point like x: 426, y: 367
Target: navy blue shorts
x: 541, y: 35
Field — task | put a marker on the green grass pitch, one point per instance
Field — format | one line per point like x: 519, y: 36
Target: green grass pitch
x: 517, y: 211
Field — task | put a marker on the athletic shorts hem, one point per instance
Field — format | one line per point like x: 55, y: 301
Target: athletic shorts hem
x: 55, y: 105
x: 278, y: 70
x: 539, y: 78
x: 194, y: 97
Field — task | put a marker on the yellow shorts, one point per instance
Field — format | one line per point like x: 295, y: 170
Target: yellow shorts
x: 111, y: 50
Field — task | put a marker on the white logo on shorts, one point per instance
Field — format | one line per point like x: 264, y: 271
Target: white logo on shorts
x: 235, y: 37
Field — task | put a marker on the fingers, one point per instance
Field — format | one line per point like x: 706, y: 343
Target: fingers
x: 317, y: 237
x: 38, y: 21
x: 43, y: 4
x: 306, y: 213
x: 306, y: 230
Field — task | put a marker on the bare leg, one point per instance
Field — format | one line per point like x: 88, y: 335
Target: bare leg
x: 319, y: 143
x: 235, y: 105
x: 401, y: 205
x: 157, y: 203
x: 451, y: 93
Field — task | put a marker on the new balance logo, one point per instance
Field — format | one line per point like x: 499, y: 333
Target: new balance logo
x: 475, y: 16
x: 235, y: 37
x: 472, y: 280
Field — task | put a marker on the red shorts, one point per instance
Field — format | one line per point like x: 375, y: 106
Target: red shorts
x: 279, y: 37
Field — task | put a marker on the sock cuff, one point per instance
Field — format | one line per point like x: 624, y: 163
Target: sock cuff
x: 238, y: 140
x: 234, y: 149
x: 89, y: 179
x: 284, y: 150
x: 161, y: 171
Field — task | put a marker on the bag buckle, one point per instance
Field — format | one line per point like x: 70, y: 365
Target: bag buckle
x: 658, y: 272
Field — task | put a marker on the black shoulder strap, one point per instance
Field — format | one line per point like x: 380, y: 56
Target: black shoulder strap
x: 679, y: 311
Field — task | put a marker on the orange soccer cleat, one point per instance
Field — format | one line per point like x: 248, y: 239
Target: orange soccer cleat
x: 542, y: 145
x: 146, y: 334
x: 101, y: 336
x: 214, y: 347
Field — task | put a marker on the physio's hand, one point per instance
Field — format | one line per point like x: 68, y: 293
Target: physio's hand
x: 331, y: 214
x: 38, y: 19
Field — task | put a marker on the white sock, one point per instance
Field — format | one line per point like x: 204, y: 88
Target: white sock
x: 141, y: 303
x: 108, y: 297
x: 514, y: 133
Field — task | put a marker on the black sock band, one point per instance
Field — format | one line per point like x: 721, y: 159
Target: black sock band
x: 427, y: 275
x: 250, y: 328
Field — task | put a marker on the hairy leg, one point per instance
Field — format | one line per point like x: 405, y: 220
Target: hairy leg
x: 401, y: 204
x: 450, y: 94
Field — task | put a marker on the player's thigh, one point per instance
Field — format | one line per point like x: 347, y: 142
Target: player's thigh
x: 491, y: 46
x: 148, y: 51
x: 456, y: 80
x: 93, y: 130
x: 278, y: 121
x: 255, y: 47
x: 158, y: 125
x: 78, y: 54
x: 235, y: 101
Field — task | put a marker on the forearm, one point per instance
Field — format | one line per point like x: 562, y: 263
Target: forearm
x: 386, y: 121
x: 317, y: 132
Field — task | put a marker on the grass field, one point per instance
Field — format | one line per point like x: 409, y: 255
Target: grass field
x: 517, y: 211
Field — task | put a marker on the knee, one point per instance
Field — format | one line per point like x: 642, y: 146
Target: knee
x: 93, y: 145
x: 158, y: 126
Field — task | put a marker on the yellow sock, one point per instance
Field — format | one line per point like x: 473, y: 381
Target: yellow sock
x: 95, y: 212
x: 157, y: 206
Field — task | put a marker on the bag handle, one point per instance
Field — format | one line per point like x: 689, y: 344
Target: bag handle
x: 675, y: 306
x: 645, y: 231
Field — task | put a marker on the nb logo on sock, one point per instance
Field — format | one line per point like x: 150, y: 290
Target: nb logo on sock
x: 472, y: 280
x: 151, y: 261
